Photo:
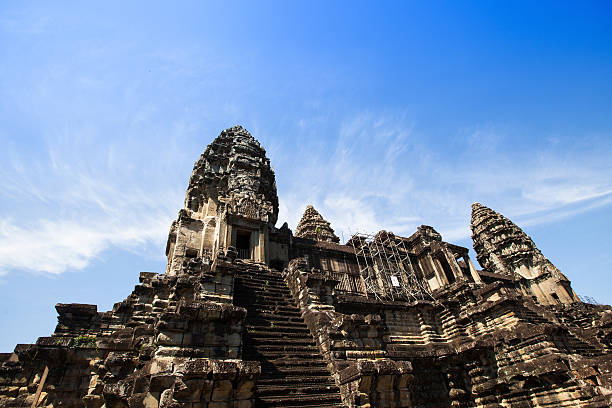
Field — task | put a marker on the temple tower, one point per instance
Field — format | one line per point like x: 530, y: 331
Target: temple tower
x: 314, y: 226
x: 231, y: 201
x: 502, y: 247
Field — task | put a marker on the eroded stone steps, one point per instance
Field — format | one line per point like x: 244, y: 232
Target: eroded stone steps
x: 276, y: 317
x: 301, y: 400
x: 268, y: 314
x: 296, y: 388
x: 280, y: 328
x: 266, y: 286
x: 283, y: 341
x: 280, y: 372
x: 275, y: 351
x: 294, y: 373
x: 275, y: 348
x: 262, y: 334
x: 296, y: 380
x: 266, y: 304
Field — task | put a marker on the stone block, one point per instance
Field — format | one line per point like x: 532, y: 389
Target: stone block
x: 161, y: 382
x: 170, y: 338
x: 159, y: 365
x: 151, y: 400
x: 224, y: 370
x: 223, y: 391
x: 197, y: 368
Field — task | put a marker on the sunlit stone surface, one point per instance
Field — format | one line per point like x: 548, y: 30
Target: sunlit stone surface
x: 250, y: 315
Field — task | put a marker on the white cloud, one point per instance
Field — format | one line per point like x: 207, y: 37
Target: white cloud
x: 382, y: 174
x: 60, y: 215
x: 54, y: 246
x: 376, y: 172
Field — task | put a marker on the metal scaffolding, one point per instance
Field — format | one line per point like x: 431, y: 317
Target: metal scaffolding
x: 387, y: 271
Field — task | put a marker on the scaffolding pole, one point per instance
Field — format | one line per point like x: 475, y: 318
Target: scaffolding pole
x: 386, y: 268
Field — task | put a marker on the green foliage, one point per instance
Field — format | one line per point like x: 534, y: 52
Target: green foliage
x: 85, y: 341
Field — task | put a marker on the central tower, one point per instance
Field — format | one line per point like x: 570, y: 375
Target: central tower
x: 231, y: 201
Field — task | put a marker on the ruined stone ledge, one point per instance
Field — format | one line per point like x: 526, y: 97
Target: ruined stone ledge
x: 219, y: 352
x: 491, y: 287
x: 347, y: 299
x: 449, y: 293
x: 143, y: 290
x: 219, y: 369
x: 198, y: 310
x: 147, y: 276
x: 319, y: 278
x: 73, y: 310
x: 546, y: 364
x: 114, y: 344
x: 488, y: 305
x: 5, y: 357
x: 367, y: 367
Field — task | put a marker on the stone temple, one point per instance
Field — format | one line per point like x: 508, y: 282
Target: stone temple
x: 250, y: 315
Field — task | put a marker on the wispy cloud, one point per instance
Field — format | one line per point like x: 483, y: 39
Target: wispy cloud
x: 375, y: 172
x: 54, y: 246
x: 81, y: 219
x: 384, y: 174
x: 58, y: 213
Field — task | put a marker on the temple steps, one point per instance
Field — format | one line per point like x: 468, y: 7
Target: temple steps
x: 299, y: 341
x: 287, y: 354
x: 258, y: 335
x: 265, y: 304
x: 280, y: 369
x: 275, y: 348
x: 263, y: 390
x: 293, y: 372
x: 282, y: 318
x: 301, y: 400
x: 283, y: 329
x: 268, y: 313
x: 295, y: 380
x: 533, y: 317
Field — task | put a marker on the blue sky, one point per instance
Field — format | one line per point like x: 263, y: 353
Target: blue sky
x: 382, y: 115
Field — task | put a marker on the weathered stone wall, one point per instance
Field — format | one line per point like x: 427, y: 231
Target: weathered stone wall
x: 167, y: 343
x: 471, y: 345
x: 441, y: 335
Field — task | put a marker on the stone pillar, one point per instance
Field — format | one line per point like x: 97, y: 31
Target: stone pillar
x: 452, y: 262
x: 473, y: 272
x: 261, y: 245
x: 440, y: 271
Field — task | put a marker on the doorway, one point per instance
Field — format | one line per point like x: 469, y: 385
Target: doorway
x: 243, y: 244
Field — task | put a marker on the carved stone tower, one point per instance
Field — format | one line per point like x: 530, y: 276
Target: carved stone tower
x: 502, y: 247
x: 314, y: 226
x: 231, y: 202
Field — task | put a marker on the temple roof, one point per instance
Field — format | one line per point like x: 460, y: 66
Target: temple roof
x: 314, y: 226
x: 234, y: 167
x: 501, y: 246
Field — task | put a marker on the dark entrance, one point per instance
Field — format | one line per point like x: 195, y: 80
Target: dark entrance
x: 243, y: 244
x: 450, y: 276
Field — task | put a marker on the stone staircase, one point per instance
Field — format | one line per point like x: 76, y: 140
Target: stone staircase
x: 293, y: 373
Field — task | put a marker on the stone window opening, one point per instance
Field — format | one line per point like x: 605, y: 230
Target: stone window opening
x: 191, y: 253
x: 450, y: 276
x: 462, y: 261
x: 243, y: 244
